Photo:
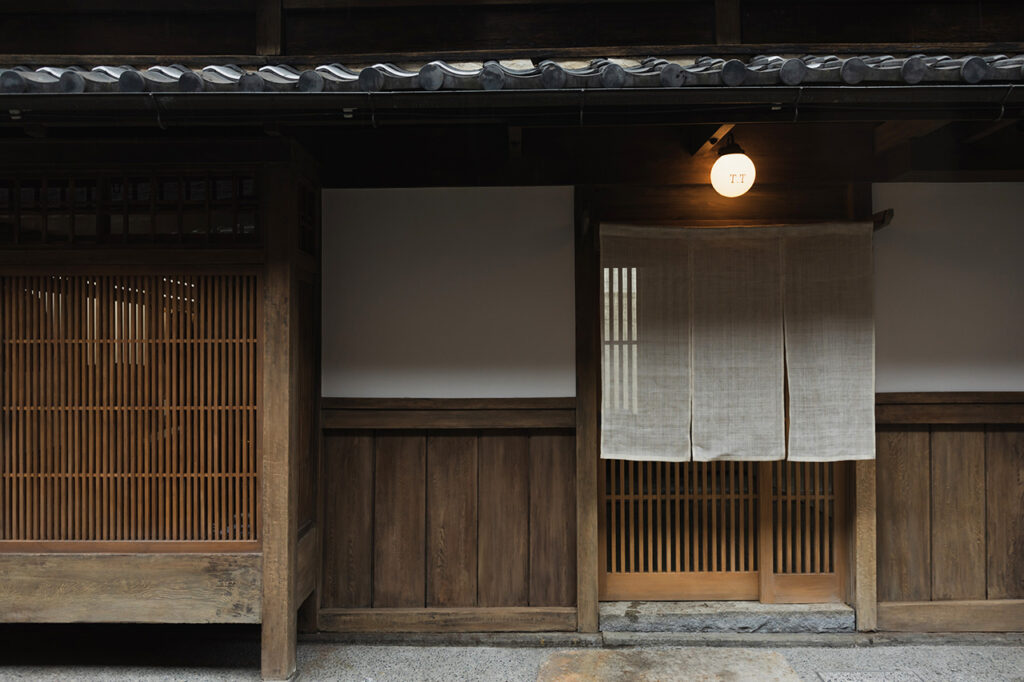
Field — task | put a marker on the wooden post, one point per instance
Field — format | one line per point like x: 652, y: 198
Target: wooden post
x: 765, y: 538
x: 587, y: 411
x: 728, y: 22
x: 865, y: 588
x: 269, y: 26
x: 279, y: 446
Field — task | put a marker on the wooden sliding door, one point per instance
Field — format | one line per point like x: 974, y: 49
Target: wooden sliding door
x: 721, y: 530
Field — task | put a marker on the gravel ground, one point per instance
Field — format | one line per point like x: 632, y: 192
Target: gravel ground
x: 44, y: 656
x: 908, y: 663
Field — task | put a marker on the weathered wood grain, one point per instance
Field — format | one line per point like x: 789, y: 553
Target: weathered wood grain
x: 451, y: 520
x: 950, y: 398
x: 399, y: 563
x: 958, y: 512
x: 279, y: 442
x: 502, y: 404
x: 130, y: 588
x: 588, y: 392
x: 553, y: 520
x: 306, y: 569
x: 865, y: 547
x: 504, y: 519
x: 951, y: 413
x: 998, y: 615
x: 448, y: 419
x: 681, y: 587
x: 1005, y: 495
x: 348, y: 519
x: 494, y: 619
x: 903, y: 497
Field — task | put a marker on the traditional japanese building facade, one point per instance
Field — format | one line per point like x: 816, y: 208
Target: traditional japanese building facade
x: 305, y: 318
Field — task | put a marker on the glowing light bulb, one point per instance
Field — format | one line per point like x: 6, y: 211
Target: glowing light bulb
x: 733, y: 174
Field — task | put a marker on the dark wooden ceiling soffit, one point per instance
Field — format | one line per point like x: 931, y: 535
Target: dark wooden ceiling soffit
x: 651, y: 72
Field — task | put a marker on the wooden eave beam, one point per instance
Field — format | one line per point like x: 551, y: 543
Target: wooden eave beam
x: 891, y: 134
x: 985, y: 130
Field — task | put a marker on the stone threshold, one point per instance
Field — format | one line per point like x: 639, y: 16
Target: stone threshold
x: 726, y: 617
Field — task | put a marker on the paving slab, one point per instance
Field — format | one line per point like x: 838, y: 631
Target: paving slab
x: 667, y: 665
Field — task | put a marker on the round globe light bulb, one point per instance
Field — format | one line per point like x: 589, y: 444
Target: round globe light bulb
x: 733, y: 174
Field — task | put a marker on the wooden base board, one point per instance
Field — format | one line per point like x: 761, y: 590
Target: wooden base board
x: 130, y: 588
x: 679, y: 586
x: 995, y: 615
x: 802, y: 589
x: 483, y: 619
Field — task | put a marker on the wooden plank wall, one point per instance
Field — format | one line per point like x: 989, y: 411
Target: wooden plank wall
x: 952, y: 504
x: 951, y: 519
x: 438, y: 521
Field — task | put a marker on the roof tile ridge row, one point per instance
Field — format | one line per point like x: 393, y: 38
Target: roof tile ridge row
x: 651, y: 72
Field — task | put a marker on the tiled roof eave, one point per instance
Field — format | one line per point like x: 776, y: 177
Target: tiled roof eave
x: 494, y: 76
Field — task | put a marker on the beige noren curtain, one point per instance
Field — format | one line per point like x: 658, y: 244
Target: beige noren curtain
x: 830, y: 342
x: 645, y: 404
x: 738, y: 401
x: 701, y: 329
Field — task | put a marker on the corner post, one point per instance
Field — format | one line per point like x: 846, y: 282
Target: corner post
x: 587, y: 412
x: 865, y: 568
x: 279, y: 433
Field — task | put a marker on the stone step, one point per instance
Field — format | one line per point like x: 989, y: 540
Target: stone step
x: 724, y: 616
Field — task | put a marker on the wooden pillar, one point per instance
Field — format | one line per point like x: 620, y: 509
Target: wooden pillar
x: 269, y: 26
x: 765, y: 534
x: 279, y: 443
x: 587, y: 411
x: 728, y: 22
x: 865, y: 587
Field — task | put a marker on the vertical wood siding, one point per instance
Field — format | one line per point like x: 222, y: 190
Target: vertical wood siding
x: 950, y: 512
x: 441, y: 519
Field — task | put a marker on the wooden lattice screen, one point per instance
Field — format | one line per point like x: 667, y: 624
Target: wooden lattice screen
x: 667, y: 516
x: 698, y: 530
x: 803, y: 517
x: 129, y: 409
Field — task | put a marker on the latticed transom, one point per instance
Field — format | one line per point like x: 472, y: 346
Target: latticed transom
x: 140, y: 208
x: 129, y: 408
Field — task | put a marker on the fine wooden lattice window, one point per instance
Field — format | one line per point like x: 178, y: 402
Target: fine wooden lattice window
x: 128, y: 409
x: 681, y: 517
x: 699, y: 530
x: 803, y: 517
x: 113, y: 209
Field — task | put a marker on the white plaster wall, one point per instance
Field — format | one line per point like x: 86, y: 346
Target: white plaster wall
x: 949, y: 287
x: 447, y: 293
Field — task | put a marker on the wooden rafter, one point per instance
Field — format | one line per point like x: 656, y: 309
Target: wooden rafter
x: 891, y: 134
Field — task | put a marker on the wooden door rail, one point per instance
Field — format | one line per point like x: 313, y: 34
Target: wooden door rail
x: 448, y: 413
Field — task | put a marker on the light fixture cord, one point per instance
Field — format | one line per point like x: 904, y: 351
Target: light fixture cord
x: 1002, y: 104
